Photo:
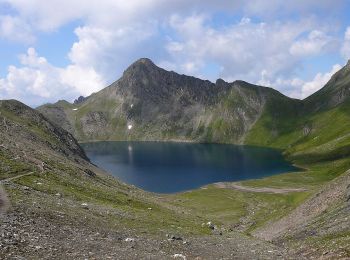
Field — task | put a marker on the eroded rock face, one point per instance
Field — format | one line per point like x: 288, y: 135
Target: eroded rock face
x: 340, y: 96
x: 57, y: 115
x: 93, y: 122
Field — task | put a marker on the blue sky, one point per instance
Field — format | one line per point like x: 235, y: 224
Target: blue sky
x: 51, y: 50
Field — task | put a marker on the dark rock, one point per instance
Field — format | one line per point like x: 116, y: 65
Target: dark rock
x: 89, y: 173
x: 174, y: 237
x: 79, y: 100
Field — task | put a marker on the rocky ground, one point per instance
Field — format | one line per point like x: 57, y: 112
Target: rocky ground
x: 30, y: 231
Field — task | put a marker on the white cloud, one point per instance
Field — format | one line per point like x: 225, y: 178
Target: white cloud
x: 15, y: 29
x: 345, y: 51
x: 291, y: 86
x: 318, y: 82
x: 245, y: 50
x: 37, y: 81
x: 298, y: 88
x: 84, y: 80
x: 312, y: 45
x: 268, y: 8
x: 109, y: 50
x: 33, y: 78
x: 50, y: 15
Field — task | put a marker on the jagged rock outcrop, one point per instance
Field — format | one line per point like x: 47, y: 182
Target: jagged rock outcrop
x: 79, y: 100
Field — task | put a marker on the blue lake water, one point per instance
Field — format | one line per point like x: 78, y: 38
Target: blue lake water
x: 168, y: 167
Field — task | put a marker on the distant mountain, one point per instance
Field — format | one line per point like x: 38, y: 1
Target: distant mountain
x: 150, y: 103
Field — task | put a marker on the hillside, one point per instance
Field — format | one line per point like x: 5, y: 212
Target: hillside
x: 319, y: 132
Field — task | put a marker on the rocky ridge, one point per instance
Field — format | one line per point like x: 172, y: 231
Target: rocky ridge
x: 163, y: 105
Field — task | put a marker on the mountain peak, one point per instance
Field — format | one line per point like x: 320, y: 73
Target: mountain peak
x: 141, y: 65
x: 146, y: 61
x: 143, y: 62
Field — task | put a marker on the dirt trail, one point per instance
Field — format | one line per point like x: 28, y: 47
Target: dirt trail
x: 237, y: 186
x: 4, y: 202
x: 15, y: 177
x: 311, y: 208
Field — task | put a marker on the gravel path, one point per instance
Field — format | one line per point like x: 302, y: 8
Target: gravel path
x: 237, y: 186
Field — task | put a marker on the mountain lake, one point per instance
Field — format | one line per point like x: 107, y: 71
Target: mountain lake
x: 169, y: 167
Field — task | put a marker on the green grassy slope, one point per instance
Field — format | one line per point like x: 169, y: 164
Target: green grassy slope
x: 307, y: 138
